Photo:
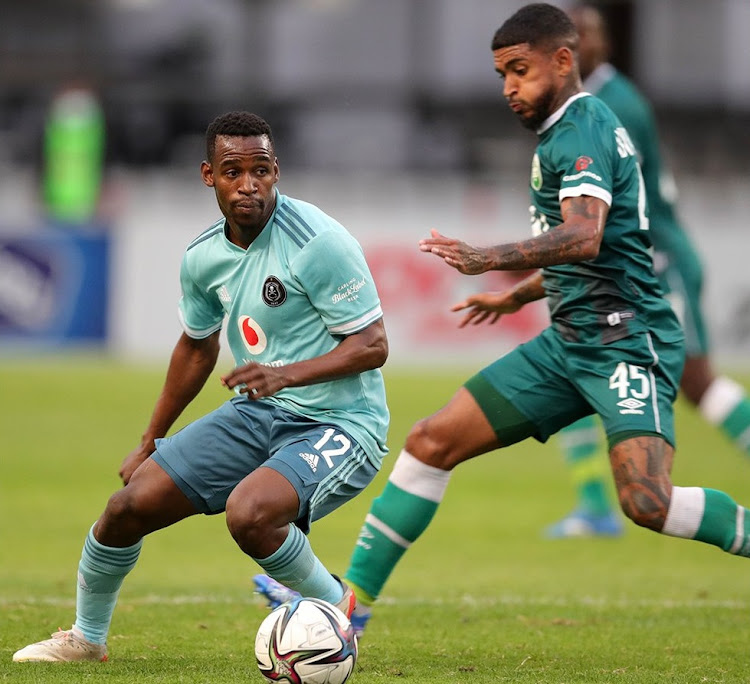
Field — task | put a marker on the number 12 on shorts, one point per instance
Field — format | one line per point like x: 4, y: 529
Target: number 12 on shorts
x: 633, y: 385
x: 331, y: 437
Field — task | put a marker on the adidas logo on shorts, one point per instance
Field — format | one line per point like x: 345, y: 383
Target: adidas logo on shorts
x: 311, y: 460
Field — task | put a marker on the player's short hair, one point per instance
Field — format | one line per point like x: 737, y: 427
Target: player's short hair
x: 242, y: 124
x: 538, y: 24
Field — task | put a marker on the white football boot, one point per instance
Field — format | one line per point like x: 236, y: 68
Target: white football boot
x: 65, y: 646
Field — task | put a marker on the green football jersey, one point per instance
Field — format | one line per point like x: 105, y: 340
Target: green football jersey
x: 294, y: 294
x: 584, y: 150
x: 636, y: 114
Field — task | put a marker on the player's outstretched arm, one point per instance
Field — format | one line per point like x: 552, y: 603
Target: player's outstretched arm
x: 189, y: 367
x: 577, y: 238
x: 490, y: 306
x: 357, y: 353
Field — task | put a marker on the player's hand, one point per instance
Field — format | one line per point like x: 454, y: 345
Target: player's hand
x: 464, y: 258
x: 256, y: 379
x: 134, y: 459
x: 487, y: 306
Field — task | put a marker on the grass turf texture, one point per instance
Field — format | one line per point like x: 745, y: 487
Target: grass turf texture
x: 481, y: 597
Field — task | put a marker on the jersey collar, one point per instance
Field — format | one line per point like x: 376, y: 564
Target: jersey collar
x: 598, y: 78
x: 553, y: 118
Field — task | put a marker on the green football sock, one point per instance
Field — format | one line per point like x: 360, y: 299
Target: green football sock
x: 726, y: 404
x: 397, y: 517
x: 587, y: 464
x: 101, y: 572
x: 710, y: 516
x: 295, y: 565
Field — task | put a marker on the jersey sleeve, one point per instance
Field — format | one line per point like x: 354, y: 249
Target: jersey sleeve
x: 333, y: 272
x: 200, y: 316
x: 583, y: 161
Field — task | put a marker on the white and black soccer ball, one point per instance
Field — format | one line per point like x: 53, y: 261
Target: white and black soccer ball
x: 306, y: 641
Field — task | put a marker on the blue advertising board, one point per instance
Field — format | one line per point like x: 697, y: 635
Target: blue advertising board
x: 54, y: 286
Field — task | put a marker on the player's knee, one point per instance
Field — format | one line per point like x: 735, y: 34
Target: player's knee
x: 126, y: 519
x: 428, y: 444
x: 124, y: 506
x: 644, y: 506
x: 246, y: 518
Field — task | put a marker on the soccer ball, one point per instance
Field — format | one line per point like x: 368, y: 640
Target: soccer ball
x: 306, y: 641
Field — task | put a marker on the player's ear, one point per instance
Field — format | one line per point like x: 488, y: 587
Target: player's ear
x: 207, y: 174
x: 276, y: 172
x: 564, y: 60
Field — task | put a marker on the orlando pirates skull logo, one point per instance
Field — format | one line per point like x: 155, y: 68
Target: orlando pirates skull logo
x: 274, y: 292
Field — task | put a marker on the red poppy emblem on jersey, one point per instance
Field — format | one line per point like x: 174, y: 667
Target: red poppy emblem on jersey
x: 583, y: 163
x: 252, y: 335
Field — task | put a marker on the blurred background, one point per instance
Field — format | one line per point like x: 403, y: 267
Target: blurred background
x: 387, y: 114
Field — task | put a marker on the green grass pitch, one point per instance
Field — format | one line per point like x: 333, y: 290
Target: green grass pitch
x: 481, y: 597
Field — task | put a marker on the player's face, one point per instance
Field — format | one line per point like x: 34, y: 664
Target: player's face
x: 243, y: 173
x: 531, y: 82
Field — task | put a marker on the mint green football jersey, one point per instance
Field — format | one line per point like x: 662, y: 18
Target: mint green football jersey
x: 584, y: 150
x: 294, y: 294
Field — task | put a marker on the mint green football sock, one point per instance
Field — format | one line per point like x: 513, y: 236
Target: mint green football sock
x: 588, y: 465
x: 296, y: 566
x: 101, y: 572
x: 396, y: 519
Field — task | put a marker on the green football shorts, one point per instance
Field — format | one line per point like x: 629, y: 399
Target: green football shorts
x: 548, y: 383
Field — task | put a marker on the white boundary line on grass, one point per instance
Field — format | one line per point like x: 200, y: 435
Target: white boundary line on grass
x: 466, y: 600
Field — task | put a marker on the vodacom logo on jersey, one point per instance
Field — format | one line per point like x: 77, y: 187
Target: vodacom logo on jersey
x: 252, y: 334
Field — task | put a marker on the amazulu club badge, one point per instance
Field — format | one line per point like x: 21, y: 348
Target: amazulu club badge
x: 536, y: 173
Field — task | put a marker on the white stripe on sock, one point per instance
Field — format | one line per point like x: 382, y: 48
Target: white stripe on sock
x: 419, y: 479
x: 720, y: 399
x: 685, y: 512
x: 743, y: 439
x: 381, y: 527
x: 739, y: 530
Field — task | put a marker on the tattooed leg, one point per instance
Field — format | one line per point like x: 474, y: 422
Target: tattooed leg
x: 641, y: 467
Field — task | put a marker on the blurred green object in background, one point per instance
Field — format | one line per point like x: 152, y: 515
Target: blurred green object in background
x: 74, y: 142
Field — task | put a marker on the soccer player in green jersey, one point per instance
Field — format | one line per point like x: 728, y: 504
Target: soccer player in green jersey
x: 719, y: 399
x: 614, y: 346
x: 305, y: 431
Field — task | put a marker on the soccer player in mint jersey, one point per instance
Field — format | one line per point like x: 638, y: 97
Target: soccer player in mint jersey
x: 305, y: 431
x: 614, y: 346
x: 719, y: 399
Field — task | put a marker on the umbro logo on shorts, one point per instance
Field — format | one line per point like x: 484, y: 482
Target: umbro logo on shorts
x: 631, y: 405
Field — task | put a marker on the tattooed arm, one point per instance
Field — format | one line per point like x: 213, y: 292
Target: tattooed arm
x: 490, y: 306
x: 577, y: 238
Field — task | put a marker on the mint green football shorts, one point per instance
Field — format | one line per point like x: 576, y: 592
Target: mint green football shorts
x: 209, y: 457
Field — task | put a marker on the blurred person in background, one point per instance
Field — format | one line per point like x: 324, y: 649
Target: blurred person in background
x: 719, y: 399
x: 306, y: 430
